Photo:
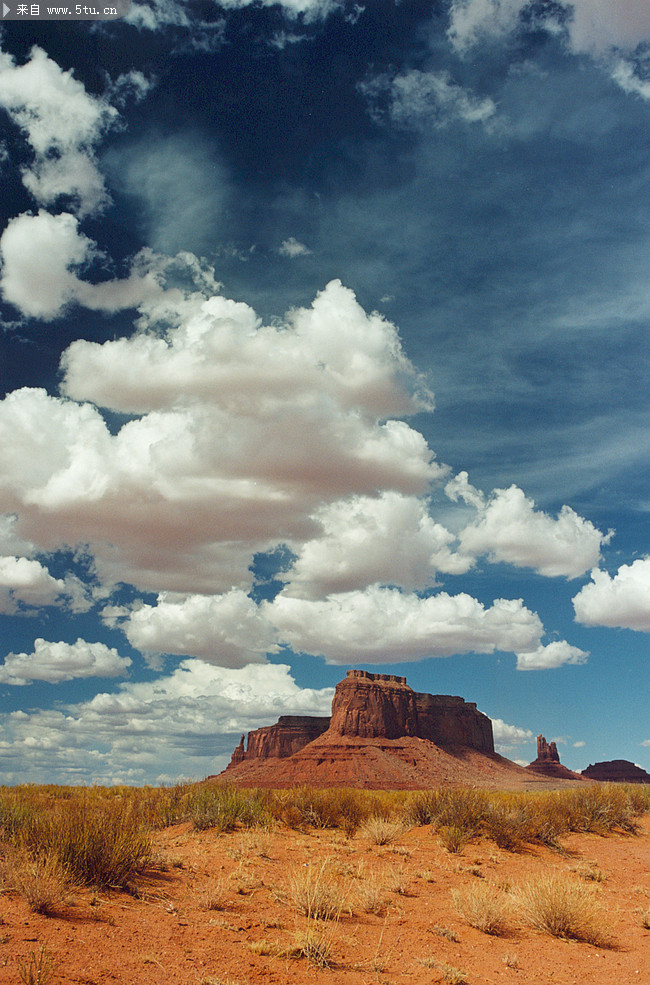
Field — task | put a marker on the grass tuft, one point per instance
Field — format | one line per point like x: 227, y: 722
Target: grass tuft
x: 562, y: 907
x: 40, y: 879
x: 381, y: 830
x: 483, y: 908
x: 316, y: 893
x: 452, y: 838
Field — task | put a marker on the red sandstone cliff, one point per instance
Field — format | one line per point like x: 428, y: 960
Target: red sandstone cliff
x: 382, y: 734
x: 374, y: 706
x: 384, y: 706
x: 290, y: 734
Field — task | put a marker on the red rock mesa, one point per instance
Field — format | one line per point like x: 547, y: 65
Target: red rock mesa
x: 381, y: 734
x: 617, y: 771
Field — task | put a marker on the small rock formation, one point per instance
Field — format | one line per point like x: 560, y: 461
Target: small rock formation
x: 546, y: 751
x: 548, y: 761
x: 616, y: 771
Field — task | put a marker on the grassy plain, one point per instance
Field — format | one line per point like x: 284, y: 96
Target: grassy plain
x: 206, y: 884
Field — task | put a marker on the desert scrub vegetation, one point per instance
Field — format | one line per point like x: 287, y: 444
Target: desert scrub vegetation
x: 38, y: 969
x: 562, y: 907
x: 372, y: 893
x: 40, y: 879
x: 450, y: 974
x: 304, y: 807
x: 95, y: 840
x: 452, y: 838
x: 512, y: 820
x: 224, y: 808
x: 317, y: 893
x: 103, y: 835
x: 482, y: 907
x: 381, y: 830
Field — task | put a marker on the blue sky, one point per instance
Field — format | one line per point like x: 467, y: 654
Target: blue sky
x: 324, y: 345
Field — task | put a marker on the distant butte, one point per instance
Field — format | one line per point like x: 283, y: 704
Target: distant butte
x: 548, y: 762
x: 381, y: 735
x: 616, y: 771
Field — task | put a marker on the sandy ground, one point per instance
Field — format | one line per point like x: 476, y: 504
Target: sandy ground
x: 168, y: 934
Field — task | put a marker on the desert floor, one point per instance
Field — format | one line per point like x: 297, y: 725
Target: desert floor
x: 219, y: 909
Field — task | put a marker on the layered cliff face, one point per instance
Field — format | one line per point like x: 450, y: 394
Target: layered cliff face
x: 447, y: 720
x: 384, y: 706
x: 616, y: 771
x: 373, y: 706
x: 290, y: 734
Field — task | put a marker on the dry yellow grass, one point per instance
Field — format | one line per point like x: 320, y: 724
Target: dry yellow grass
x: 482, y: 907
x: 562, y: 907
x: 42, y: 880
x: 381, y: 830
x: 372, y: 893
x: 316, y: 892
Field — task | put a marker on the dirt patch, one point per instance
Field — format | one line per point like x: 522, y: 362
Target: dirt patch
x: 223, y: 909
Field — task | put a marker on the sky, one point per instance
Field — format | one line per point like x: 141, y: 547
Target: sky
x: 323, y: 344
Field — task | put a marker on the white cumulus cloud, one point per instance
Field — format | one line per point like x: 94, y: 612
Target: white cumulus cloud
x: 389, y: 539
x: 619, y: 601
x: 226, y: 630
x: 55, y: 662
x: 555, y: 654
x: 25, y: 580
x: 244, y: 432
x: 509, y: 528
x: 184, y: 724
x: 41, y: 255
x: 384, y: 625
x: 510, y: 735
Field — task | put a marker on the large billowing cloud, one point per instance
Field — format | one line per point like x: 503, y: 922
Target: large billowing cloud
x: 55, y: 662
x: 620, y: 601
x: 390, y: 539
x: 382, y: 625
x: 508, y: 528
x: 332, y: 353
x: 245, y: 432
